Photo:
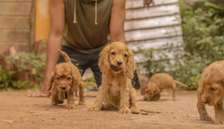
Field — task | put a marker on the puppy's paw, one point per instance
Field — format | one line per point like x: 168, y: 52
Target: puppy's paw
x: 69, y: 106
x: 54, y: 103
x: 206, y: 118
x: 95, y: 108
x: 124, y: 110
x: 135, y: 110
x: 218, y: 122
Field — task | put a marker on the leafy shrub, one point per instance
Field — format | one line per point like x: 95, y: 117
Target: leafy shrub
x: 29, y: 63
x: 5, y: 78
x: 23, y: 70
x: 203, y: 29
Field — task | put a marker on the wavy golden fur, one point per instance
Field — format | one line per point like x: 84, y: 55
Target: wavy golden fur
x: 211, y: 91
x: 117, y: 65
x: 65, y: 81
x: 156, y: 84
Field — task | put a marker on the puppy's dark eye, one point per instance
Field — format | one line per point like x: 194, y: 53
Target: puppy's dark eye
x: 69, y: 78
x: 212, y: 89
x: 125, y: 55
x: 58, y: 77
x: 113, y: 53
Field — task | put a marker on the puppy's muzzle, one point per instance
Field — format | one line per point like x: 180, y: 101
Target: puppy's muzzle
x: 119, y: 63
x: 117, y: 66
x: 204, y: 99
x: 63, y: 88
x: 207, y: 100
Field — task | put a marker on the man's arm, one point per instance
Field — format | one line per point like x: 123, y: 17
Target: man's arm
x: 117, y: 21
x: 55, y: 37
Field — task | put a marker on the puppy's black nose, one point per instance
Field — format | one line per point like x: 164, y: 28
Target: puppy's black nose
x: 119, y: 62
x: 63, y: 88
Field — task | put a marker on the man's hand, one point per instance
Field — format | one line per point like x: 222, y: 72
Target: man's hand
x: 148, y: 3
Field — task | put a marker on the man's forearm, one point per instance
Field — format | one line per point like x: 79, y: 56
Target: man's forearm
x: 117, y: 21
x: 54, y: 44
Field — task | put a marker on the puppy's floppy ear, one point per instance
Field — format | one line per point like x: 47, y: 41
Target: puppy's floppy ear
x: 76, y: 78
x: 104, y: 58
x: 157, y: 90
x: 130, y: 66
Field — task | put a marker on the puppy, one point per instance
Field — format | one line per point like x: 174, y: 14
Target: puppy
x: 65, y: 81
x: 156, y: 84
x: 117, y: 65
x: 211, y: 91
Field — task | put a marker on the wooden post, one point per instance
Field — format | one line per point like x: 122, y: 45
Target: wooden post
x: 32, y: 25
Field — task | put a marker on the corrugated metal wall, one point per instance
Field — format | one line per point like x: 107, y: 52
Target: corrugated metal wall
x: 14, y: 23
x: 155, y: 26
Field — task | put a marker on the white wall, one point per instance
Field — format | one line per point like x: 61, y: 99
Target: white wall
x: 155, y: 26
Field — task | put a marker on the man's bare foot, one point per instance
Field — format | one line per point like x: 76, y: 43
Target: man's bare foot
x: 39, y: 94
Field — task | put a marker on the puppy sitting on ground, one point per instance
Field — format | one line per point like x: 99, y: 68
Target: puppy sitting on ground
x: 65, y: 81
x: 156, y: 84
x: 117, y: 65
x: 211, y: 91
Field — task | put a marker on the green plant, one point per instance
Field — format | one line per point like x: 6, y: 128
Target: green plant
x: 5, y: 78
x: 29, y: 63
x: 203, y: 29
x: 23, y: 70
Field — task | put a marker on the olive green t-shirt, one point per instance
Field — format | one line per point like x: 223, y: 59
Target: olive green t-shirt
x: 85, y: 35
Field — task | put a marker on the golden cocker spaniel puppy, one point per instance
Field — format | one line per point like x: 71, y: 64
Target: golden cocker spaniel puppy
x: 65, y: 81
x: 211, y: 92
x: 117, y: 65
x: 156, y: 84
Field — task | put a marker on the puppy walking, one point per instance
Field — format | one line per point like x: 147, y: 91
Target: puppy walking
x: 157, y: 83
x: 116, y: 91
x: 65, y: 81
x: 211, y: 92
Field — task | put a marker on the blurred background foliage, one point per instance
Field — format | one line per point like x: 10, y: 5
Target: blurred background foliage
x: 21, y: 70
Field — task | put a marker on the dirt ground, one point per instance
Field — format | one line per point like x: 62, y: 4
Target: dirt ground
x: 17, y: 111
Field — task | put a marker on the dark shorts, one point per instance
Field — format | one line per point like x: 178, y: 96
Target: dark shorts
x: 84, y: 61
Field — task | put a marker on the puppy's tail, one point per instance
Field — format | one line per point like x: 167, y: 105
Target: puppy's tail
x: 181, y: 84
x: 65, y: 56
